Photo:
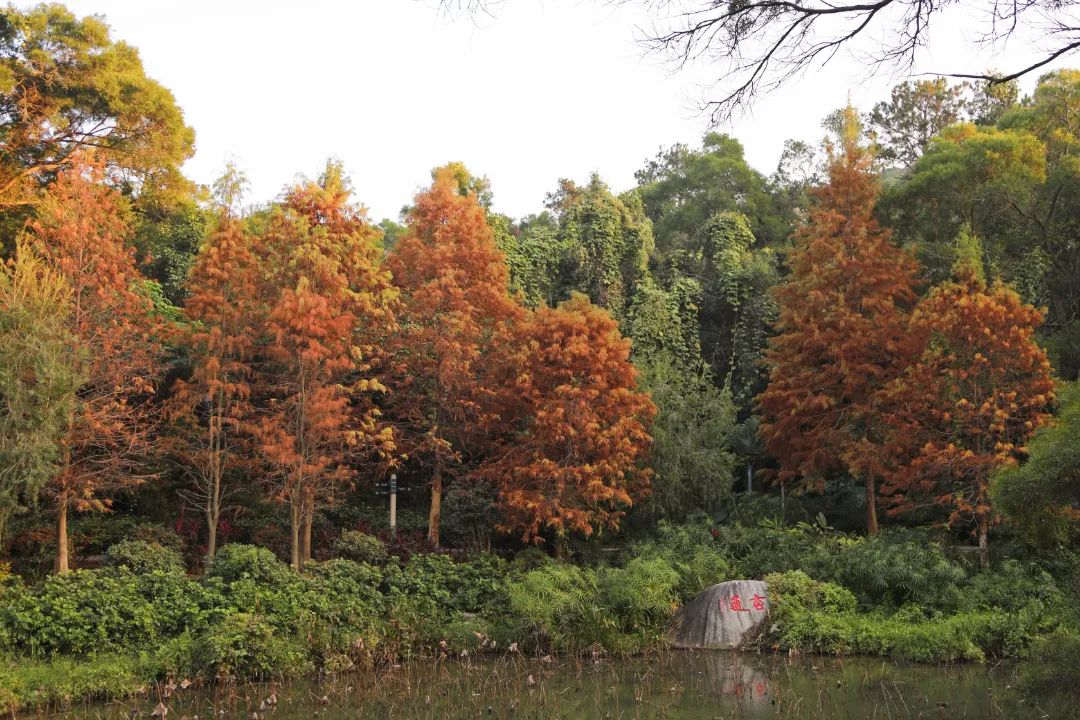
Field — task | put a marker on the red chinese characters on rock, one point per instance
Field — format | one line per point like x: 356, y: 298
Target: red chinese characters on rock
x: 734, y: 603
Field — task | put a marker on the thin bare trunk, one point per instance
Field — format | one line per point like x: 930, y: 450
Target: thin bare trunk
x: 62, y: 533
x: 308, y: 521
x: 294, y: 528
x: 213, y: 510
x: 560, y: 548
x: 435, y: 515
x: 211, y: 542
x: 984, y: 543
x: 871, y: 507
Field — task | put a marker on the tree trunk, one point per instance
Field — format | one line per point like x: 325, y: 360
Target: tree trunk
x: 5, y: 515
x: 308, y: 520
x: 294, y: 529
x: 749, y: 478
x: 435, y: 515
x: 871, y: 507
x: 560, y: 548
x: 211, y: 541
x: 984, y: 544
x: 213, y: 504
x: 62, y: 533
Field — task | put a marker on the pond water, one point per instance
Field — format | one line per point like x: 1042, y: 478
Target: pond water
x: 693, y: 685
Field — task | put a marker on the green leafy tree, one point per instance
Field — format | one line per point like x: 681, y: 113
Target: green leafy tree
x: 1041, y: 495
x: 683, y: 187
x: 914, y: 114
x: 167, y: 236
x: 990, y: 100
x: 65, y: 86
x: 736, y: 306
x: 691, y: 454
x: 534, y: 253
x: 605, y: 242
x: 1016, y: 185
x: 664, y: 323
x: 37, y: 378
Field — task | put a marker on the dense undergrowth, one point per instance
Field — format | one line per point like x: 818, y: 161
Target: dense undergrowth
x: 107, y: 632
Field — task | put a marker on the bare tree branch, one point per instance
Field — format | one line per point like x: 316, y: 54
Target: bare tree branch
x: 763, y: 44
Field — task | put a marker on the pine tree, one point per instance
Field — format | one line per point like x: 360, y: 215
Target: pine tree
x: 455, y: 301
x: 328, y: 298
x: 210, y: 407
x: 82, y: 236
x: 573, y: 459
x: 977, y: 391
x: 841, y: 334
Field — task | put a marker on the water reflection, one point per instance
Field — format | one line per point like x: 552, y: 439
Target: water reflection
x: 682, y: 684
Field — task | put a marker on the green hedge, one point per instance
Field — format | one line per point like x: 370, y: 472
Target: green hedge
x: 818, y: 617
x: 140, y: 619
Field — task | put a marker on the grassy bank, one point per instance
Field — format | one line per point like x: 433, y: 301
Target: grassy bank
x: 108, y: 632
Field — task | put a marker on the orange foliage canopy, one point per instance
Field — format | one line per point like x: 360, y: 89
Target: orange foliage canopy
x: 574, y: 460
x: 966, y: 406
x: 209, y: 408
x: 327, y: 298
x: 80, y: 232
x: 841, y: 334
x: 455, y: 303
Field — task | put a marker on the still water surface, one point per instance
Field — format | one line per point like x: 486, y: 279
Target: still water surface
x: 692, y: 685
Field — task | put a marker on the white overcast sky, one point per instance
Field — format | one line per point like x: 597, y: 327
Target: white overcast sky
x: 546, y: 89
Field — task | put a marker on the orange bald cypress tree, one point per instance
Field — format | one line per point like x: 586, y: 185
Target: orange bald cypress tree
x: 976, y: 393
x: 841, y: 334
x: 209, y: 408
x: 572, y: 461
x: 455, y: 302
x: 81, y: 234
x: 327, y: 298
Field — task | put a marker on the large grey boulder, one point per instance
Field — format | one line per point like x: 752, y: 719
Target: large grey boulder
x: 722, y: 617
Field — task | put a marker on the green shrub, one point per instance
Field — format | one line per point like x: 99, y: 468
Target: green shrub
x: 59, y: 683
x: 691, y: 551
x: 757, y: 551
x: 246, y: 562
x: 242, y: 645
x: 530, y: 558
x: 1013, y: 586
x: 471, y: 586
x: 360, y: 547
x: 92, y: 611
x: 796, y: 591
x: 1052, y: 669
x: 343, y: 604
x: 812, y: 616
x: 635, y: 604
x: 141, y: 557
x: 555, y: 604
x: 886, y: 570
x: 160, y: 535
x: 568, y: 608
